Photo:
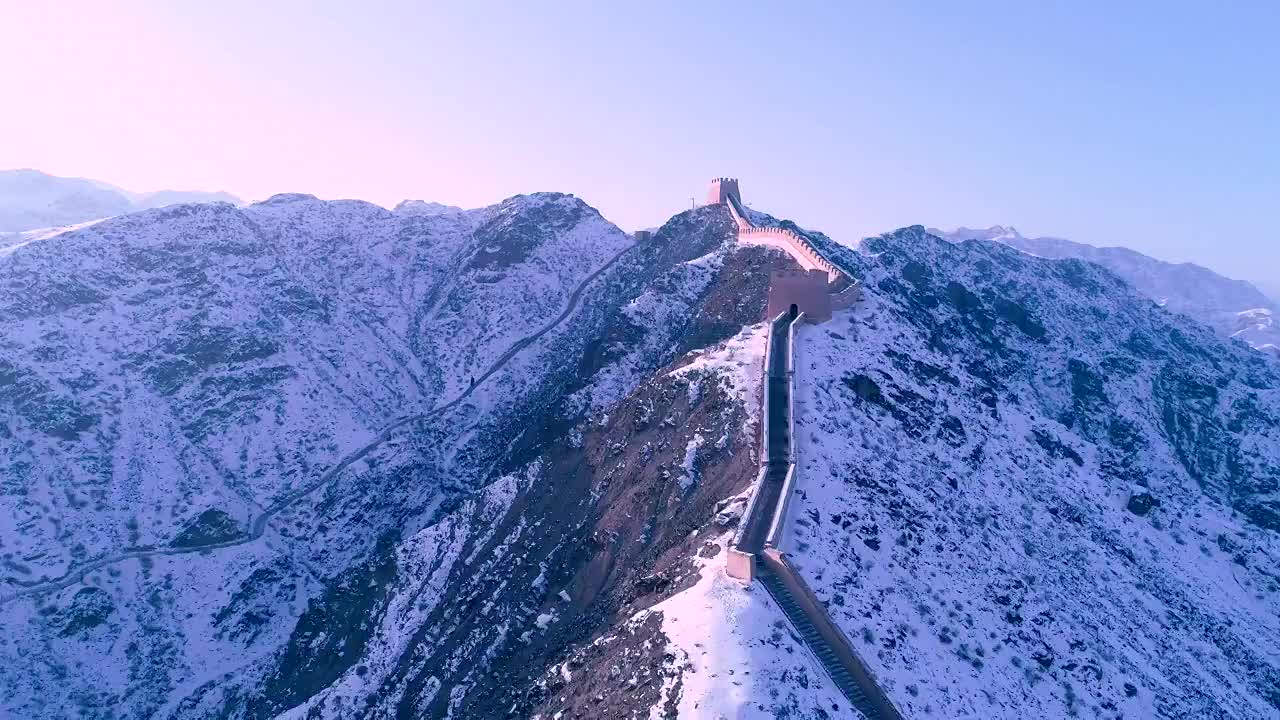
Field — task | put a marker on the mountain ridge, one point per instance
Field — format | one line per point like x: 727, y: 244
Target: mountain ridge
x: 33, y: 200
x: 487, y: 463
x: 1017, y: 476
x: 1233, y: 308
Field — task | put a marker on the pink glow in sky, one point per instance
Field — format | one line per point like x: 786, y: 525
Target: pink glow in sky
x: 145, y: 101
x: 1110, y: 123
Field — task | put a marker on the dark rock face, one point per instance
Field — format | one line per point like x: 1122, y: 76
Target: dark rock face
x: 608, y: 680
x: 53, y: 412
x: 1141, y: 503
x: 90, y: 608
x: 256, y: 604
x: 508, y: 238
x: 329, y: 638
x: 211, y: 527
x: 736, y: 298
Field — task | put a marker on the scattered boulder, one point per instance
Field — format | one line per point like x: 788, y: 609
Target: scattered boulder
x: 730, y: 515
x: 656, y: 582
x: 89, y: 608
x: 211, y: 527
x: 1141, y: 503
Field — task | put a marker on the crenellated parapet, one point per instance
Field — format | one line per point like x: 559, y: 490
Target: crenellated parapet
x: 797, y: 245
x: 844, y: 290
x: 803, y: 290
x: 722, y: 189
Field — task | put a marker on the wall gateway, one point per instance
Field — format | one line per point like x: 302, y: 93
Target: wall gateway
x: 804, y: 289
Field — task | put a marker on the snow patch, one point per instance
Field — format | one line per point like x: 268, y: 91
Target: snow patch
x: 690, y: 463
x: 736, y: 653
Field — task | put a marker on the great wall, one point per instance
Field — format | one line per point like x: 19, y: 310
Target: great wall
x: 795, y: 297
x: 818, y: 289
x: 755, y: 553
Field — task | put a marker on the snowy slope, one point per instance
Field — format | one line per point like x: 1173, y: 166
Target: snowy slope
x: 1233, y: 308
x: 1024, y: 493
x: 230, y: 494
x: 219, y: 373
x: 737, y: 655
x: 179, y: 377
x: 30, y: 199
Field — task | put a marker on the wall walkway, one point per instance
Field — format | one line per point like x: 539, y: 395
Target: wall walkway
x: 800, y: 248
x: 756, y: 548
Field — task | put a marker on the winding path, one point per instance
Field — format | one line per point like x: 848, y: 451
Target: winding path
x: 259, y: 526
x: 759, y: 536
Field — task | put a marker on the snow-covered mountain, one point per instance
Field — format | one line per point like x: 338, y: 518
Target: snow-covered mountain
x: 422, y: 207
x: 1031, y: 495
x: 1234, y: 308
x: 30, y: 199
x: 325, y: 460
x: 220, y: 420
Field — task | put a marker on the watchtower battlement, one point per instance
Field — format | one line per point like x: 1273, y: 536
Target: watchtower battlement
x: 722, y: 189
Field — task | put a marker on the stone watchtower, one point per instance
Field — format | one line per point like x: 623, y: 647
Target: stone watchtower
x: 722, y: 189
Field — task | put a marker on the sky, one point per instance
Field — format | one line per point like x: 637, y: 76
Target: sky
x: 1150, y: 125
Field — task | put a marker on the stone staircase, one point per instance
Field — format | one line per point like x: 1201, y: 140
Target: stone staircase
x: 805, y: 628
x: 755, y: 553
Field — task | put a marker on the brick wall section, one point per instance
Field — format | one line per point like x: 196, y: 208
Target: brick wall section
x: 806, y: 289
x: 794, y: 244
x: 838, y: 290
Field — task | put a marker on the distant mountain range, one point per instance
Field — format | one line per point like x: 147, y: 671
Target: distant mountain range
x: 424, y: 208
x: 30, y: 199
x: 1233, y: 308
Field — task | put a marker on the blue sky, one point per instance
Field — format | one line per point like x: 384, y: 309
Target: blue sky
x: 1150, y: 125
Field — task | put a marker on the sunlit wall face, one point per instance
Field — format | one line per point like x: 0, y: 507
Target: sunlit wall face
x: 1149, y: 129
